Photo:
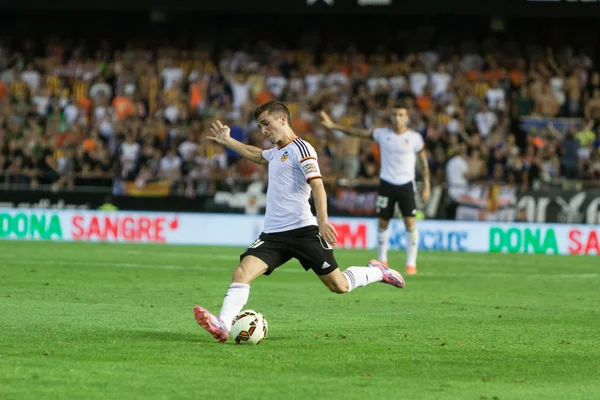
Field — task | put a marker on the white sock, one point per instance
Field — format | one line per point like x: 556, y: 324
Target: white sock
x: 412, y: 248
x: 362, y: 276
x: 235, y: 299
x: 383, y: 239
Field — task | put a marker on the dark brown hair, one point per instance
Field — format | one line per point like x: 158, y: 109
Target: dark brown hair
x: 272, y: 107
x: 400, y: 104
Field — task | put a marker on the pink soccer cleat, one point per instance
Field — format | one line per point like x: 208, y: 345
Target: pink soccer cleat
x: 390, y: 276
x: 211, y: 323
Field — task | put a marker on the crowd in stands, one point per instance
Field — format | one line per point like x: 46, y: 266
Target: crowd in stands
x: 71, y: 114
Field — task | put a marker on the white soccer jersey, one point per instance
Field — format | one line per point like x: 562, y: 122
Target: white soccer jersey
x: 291, y: 167
x: 398, y: 154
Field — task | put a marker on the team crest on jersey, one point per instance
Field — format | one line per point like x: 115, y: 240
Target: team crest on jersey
x: 406, y: 142
x: 284, y: 156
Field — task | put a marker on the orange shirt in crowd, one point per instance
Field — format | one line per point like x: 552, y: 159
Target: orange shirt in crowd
x: 86, y: 104
x: 300, y: 126
x: 123, y: 107
x: 89, y: 144
x: 264, y: 96
x: 538, y: 142
x: 516, y: 77
x: 64, y: 139
x: 376, y: 151
x: 362, y: 68
x: 424, y: 103
x: 473, y: 75
x: 197, y: 90
x: 492, y: 75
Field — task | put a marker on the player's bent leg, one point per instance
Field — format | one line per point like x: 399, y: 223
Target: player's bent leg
x: 383, y: 239
x: 355, y: 277
x: 236, y: 298
x: 413, y: 245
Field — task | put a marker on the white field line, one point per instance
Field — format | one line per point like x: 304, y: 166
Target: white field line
x: 34, y: 263
x: 440, y: 256
x: 105, y: 264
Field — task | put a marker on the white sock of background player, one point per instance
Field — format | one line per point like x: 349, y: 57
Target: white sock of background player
x: 383, y: 239
x: 412, y: 248
x: 235, y: 299
x: 361, y: 276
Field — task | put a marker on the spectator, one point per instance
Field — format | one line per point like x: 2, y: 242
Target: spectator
x: 130, y: 151
x: 495, y: 97
x: 170, y: 166
x: 476, y: 164
x: 486, y: 121
x: 573, y: 93
x: 545, y: 102
x: 570, y: 157
x: 523, y: 104
x: 458, y: 176
x: 592, y: 108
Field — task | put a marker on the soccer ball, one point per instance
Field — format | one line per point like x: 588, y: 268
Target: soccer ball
x: 249, y: 327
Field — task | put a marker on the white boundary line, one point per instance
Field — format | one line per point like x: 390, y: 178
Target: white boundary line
x: 105, y: 264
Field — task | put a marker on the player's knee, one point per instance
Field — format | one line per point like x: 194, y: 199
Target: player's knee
x: 248, y: 270
x: 241, y: 274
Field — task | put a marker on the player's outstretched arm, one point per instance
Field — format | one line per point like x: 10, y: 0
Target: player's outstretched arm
x: 222, y: 135
x: 328, y: 123
x: 326, y: 230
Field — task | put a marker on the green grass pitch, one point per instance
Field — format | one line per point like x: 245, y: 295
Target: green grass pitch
x: 102, y: 321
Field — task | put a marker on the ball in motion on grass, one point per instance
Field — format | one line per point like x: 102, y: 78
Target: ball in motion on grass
x: 249, y: 327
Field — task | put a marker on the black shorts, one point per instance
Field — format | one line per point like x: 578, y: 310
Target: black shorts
x: 304, y: 244
x: 389, y: 195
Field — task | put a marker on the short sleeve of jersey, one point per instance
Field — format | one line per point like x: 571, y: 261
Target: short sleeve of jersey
x: 268, y: 154
x: 307, y: 157
x: 419, y: 143
x: 377, y: 134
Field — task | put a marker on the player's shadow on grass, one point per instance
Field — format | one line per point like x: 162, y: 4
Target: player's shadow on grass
x: 165, y: 336
x: 168, y: 336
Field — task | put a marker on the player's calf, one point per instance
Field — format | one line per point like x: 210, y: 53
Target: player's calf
x: 335, y: 282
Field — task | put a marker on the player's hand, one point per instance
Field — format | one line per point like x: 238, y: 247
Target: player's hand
x: 220, y: 132
x: 326, y: 121
x: 426, y: 193
x: 327, y: 232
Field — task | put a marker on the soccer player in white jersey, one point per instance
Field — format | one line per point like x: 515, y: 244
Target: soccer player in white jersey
x: 399, y: 147
x: 290, y: 228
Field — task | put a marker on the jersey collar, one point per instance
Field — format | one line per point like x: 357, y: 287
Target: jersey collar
x: 281, y: 147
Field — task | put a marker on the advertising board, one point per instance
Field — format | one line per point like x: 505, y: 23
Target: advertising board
x: 242, y: 230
